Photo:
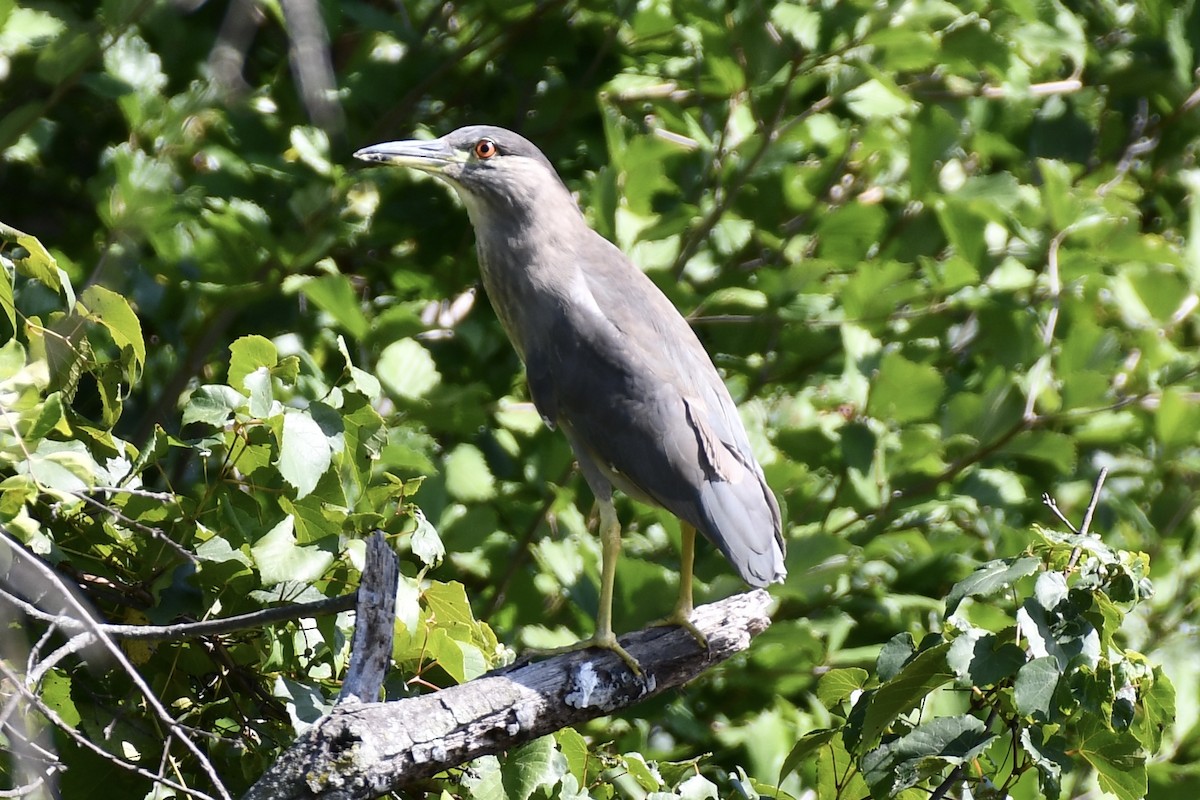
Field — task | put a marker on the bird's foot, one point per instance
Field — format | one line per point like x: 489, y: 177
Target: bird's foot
x: 681, y: 617
x: 601, y: 641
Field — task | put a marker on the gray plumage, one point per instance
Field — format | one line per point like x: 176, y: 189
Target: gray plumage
x: 609, y: 359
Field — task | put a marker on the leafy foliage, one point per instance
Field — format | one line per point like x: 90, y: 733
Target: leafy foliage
x: 946, y: 257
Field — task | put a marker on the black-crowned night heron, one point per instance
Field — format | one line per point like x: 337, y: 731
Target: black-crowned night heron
x: 609, y: 361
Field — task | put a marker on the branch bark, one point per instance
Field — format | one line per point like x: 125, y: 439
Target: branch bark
x: 364, y: 750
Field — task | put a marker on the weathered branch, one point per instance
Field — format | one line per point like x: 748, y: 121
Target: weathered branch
x: 368, y: 749
x: 312, y: 65
x: 374, y: 624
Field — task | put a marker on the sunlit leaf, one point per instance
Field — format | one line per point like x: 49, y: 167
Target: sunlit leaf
x: 467, y: 475
x: 304, y: 452
x: 279, y: 558
x: 407, y: 369
x: 248, y: 354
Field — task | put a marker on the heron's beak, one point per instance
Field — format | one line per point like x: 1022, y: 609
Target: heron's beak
x: 432, y: 155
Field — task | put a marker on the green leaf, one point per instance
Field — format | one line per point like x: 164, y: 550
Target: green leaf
x: 335, y: 295
x: 447, y: 652
x: 483, y: 781
x: 926, y: 750
x: 1049, y: 756
x: 426, y: 544
x: 7, y: 303
x: 467, y: 475
x: 990, y: 578
x: 799, y: 22
x: 407, y: 369
x: 878, y: 99
x: 698, y: 787
x: 447, y: 602
x: 1158, y: 709
x: 837, y: 685
x: 646, y: 776
x: 131, y: 61
x: 113, y: 311
x: 1118, y: 759
x: 280, y: 559
x: 259, y: 386
x: 983, y: 659
x: 56, y: 692
x: 48, y: 418
x: 304, y: 452
x: 311, y: 146
x: 575, y: 749
x: 904, y: 391
x: 894, y: 654
x: 1050, y: 589
x: 926, y: 672
x: 212, y: 405
x: 38, y: 264
x: 1178, y: 418
x: 1047, y: 447
x: 248, y: 354
x: 1072, y: 639
x: 315, y: 518
x: 528, y: 767
x: 61, y: 466
x: 835, y: 776
x: 1033, y: 691
x: 803, y: 750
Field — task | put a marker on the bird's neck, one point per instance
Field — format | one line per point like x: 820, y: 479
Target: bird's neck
x: 531, y: 263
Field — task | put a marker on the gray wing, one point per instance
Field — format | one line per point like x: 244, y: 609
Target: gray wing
x: 633, y: 383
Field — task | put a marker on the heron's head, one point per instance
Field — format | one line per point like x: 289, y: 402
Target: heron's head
x: 493, y: 169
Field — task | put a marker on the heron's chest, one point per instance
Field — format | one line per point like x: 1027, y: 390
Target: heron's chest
x: 529, y: 295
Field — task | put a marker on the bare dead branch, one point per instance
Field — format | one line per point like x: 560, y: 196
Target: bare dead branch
x: 191, y: 630
x: 374, y: 623
x: 368, y: 749
x: 228, y: 57
x: 1087, y: 516
x: 158, y: 534
x: 312, y: 65
x: 35, y: 571
x: 50, y: 714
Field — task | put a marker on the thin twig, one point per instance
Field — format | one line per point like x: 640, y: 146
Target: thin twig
x: 157, y: 533
x: 79, y: 641
x: 1091, y: 509
x: 22, y: 791
x: 1052, y: 504
x: 1042, y: 370
x: 164, y: 497
x: 192, y: 630
x: 83, y: 613
x: 1087, y: 517
x: 770, y: 134
x: 993, y: 92
x: 68, y: 729
x: 1141, y: 141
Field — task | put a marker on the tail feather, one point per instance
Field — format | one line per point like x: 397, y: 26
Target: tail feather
x: 742, y: 520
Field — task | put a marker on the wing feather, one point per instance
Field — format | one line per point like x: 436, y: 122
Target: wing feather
x: 626, y: 373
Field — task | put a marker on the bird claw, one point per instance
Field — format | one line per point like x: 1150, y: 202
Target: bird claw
x: 608, y: 642
x: 680, y: 617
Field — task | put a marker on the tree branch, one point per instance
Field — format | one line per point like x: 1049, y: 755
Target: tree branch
x: 189, y: 630
x: 368, y: 749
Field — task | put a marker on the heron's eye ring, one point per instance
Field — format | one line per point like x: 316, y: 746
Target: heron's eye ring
x: 485, y: 148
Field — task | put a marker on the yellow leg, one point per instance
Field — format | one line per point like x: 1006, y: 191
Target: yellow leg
x: 683, y: 606
x: 610, y: 549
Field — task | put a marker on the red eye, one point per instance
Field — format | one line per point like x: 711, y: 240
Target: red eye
x: 485, y: 148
